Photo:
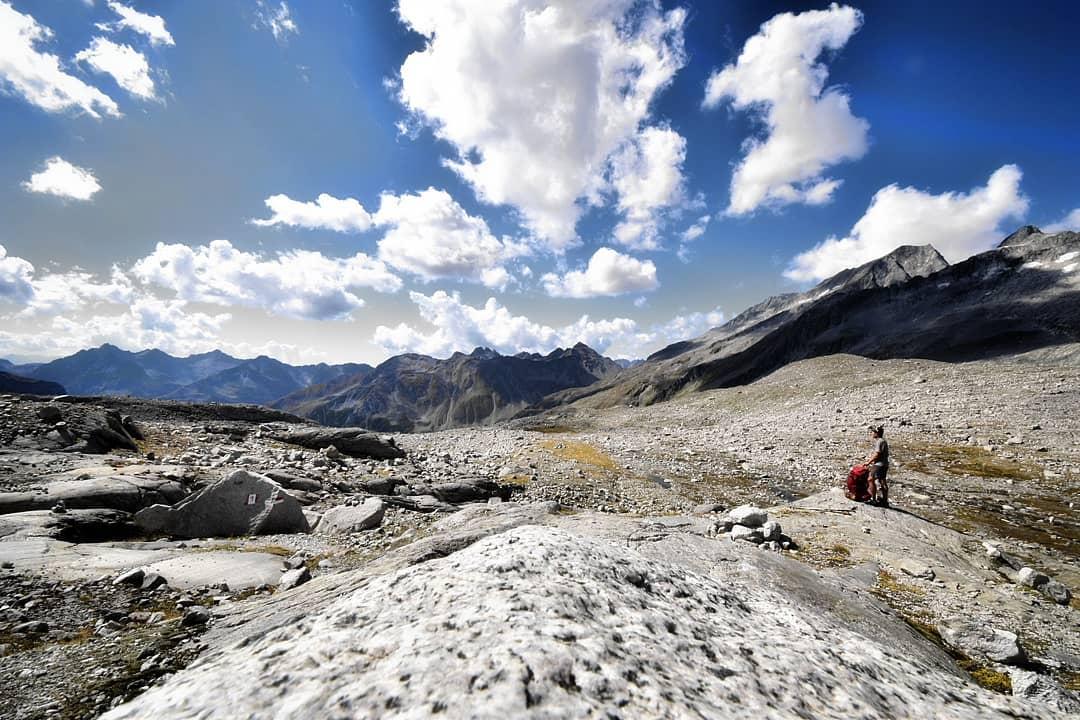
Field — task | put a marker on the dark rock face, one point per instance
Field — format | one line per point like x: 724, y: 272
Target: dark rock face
x: 12, y: 383
x: 241, y: 503
x: 1023, y: 296
x: 354, y: 442
x: 418, y: 393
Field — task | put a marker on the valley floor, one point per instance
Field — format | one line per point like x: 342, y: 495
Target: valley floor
x: 982, y: 452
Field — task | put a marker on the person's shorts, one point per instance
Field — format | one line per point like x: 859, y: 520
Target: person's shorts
x: 878, y: 472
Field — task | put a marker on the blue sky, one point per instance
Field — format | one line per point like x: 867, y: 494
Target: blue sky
x: 503, y: 174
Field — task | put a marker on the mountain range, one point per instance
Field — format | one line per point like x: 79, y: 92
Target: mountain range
x: 417, y: 393
x: 1021, y: 298
x: 207, y: 377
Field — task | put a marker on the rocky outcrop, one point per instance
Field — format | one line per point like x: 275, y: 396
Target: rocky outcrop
x: 241, y: 503
x: 119, y: 492
x: 572, y: 621
x: 355, y: 442
x: 73, y: 526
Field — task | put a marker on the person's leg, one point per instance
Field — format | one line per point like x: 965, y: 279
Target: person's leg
x: 871, y: 485
x: 883, y: 487
x: 875, y: 484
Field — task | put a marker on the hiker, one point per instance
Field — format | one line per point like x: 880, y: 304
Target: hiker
x: 878, y: 464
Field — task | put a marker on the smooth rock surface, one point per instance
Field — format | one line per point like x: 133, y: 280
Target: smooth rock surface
x: 596, y: 628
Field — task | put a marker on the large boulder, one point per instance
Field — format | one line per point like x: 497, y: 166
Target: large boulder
x: 345, y: 519
x: 241, y: 503
x: 748, y: 515
x: 982, y: 641
x: 354, y: 442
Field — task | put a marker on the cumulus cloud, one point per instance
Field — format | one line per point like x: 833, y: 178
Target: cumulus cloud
x: 536, y: 98
x: 957, y: 224
x: 457, y: 326
x: 147, y: 322
x: 37, y: 76
x: 61, y: 178
x: 427, y: 233
x: 16, y: 278
x: 297, y: 283
x: 326, y: 213
x: 647, y: 175
x: 152, y: 26
x: 1071, y: 221
x: 275, y: 18
x: 808, y: 127
x: 53, y: 293
x: 608, y: 273
x: 430, y: 235
x: 126, y: 65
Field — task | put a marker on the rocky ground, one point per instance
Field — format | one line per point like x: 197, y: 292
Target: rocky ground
x: 982, y: 453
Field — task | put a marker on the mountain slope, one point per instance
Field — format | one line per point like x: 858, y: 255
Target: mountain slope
x: 1020, y: 297
x: 418, y: 393
x: 12, y: 383
x: 106, y: 370
x: 261, y: 380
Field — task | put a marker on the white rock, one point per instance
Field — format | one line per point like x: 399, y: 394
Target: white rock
x: 916, y: 569
x: 748, y: 515
x: 345, y: 519
x: 749, y: 534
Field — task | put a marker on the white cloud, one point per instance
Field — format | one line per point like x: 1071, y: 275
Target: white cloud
x: 16, y: 278
x: 647, y: 175
x: 56, y: 293
x: 691, y: 234
x: 428, y: 234
x: 37, y: 76
x: 809, y: 128
x: 456, y: 326
x: 298, y: 283
x: 326, y: 213
x: 608, y: 273
x: 63, y: 179
x: 535, y: 98
x: 957, y: 224
x: 277, y: 19
x: 53, y: 293
x: 152, y: 26
x: 127, y: 66
x: 147, y: 323
x: 1071, y: 221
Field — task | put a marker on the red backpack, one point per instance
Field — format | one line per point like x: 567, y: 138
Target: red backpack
x: 857, y: 482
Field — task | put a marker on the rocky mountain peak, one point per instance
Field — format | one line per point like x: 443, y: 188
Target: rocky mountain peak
x: 899, y: 266
x: 1021, y: 236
